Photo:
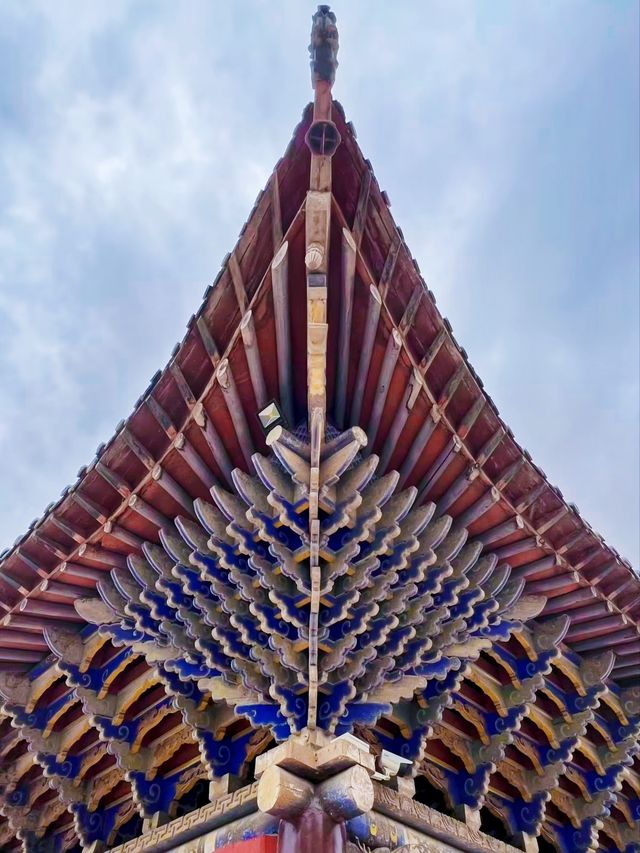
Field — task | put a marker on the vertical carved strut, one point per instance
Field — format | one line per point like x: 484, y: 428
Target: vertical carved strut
x: 322, y: 139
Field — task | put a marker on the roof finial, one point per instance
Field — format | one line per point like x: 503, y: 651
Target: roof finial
x: 324, y: 46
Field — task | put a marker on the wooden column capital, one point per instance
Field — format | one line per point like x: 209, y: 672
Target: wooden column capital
x: 282, y: 794
x: 314, y: 784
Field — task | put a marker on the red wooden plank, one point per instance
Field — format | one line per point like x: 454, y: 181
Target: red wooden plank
x: 264, y: 844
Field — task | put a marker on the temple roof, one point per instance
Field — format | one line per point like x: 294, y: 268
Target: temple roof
x: 544, y: 534
x: 200, y: 511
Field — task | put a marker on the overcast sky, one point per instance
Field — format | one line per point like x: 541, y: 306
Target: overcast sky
x: 134, y: 137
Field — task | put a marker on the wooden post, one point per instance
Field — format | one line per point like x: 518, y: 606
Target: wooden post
x: 75, y: 570
x: 19, y: 656
x: 276, y: 213
x: 591, y: 611
x: 526, y: 842
x: 594, y: 629
x: 215, y: 443
x: 156, y: 820
x: 280, y: 287
x: 37, y: 623
x: 419, y: 443
x: 389, y: 362
x: 234, y: 405
x: 490, y: 447
x: 195, y: 462
x: 113, y: 479
x: 346, y: 310
x: 466, y: 424
x: 400, y: 418
x: 102, y: 556
x: 248, y: 332
x: 149, y: 512
x: 361, y: 209
x: 555, y: 584
x: 457, y: 489
x: 439, y: 466
x: 318, y: 221
x: 432, y: 352
x: 618, y: 638
x: 65, y: 591
x: 371, y: 326
x: 452, y: 386
x: 121, y: 534
x: 530, y: 570
x: 469, y: 816
x: 518, y: 547
x: 572, y: 599
x: 500, y: 531
x: 173, y: 489
x: 183, y: 386
x: 36, y: 607
x: 163, y: 419
x: 238, y: 282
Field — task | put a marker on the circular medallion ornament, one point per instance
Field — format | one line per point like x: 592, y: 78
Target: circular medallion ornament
x: 323, y: 138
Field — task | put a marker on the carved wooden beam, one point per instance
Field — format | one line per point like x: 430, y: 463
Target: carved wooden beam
x: 401, y: 416
x: 208, y: 342
x: 366, y: 351
x: 162, y: 418
x: 173, y: 489
x: 439, y: 467
x: 252, y: 352
x: 121, y: 535
x: 117, y: 483
x: 280, y: 288
x: 182, y: 385
x: 390, y: 358
x: 147, y: 511
x: 137, y: 448
x: 457, y: 489
x: 434, y: 348
x: 419, y: 443
x: 234, y: 405
x: 237, y: 281
x: 216, y: 445
x: 361, y: 208
x: 348, y: 269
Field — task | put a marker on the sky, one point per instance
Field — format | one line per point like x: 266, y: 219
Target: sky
x: 135, y: 136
